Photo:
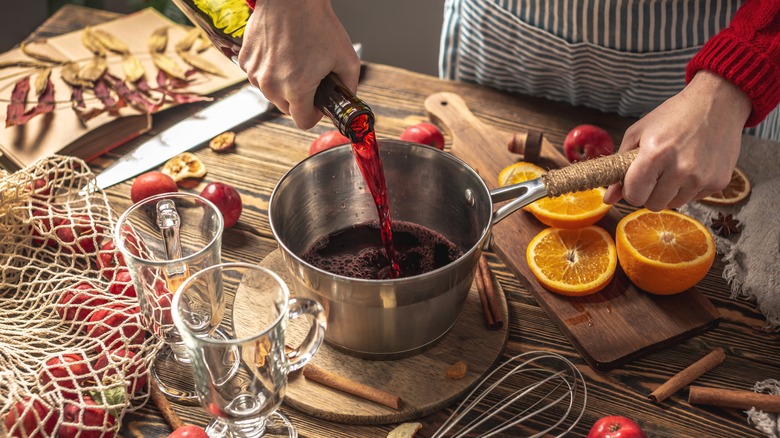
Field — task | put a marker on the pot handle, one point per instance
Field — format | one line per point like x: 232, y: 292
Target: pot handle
x: 577, y: 177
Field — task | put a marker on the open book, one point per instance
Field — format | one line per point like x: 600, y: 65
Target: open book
x: 65, y: 131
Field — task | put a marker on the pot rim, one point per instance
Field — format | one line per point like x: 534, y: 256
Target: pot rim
x: 486, y: 228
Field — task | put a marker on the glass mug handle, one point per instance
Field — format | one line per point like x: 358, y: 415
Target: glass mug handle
x: 298, y: 307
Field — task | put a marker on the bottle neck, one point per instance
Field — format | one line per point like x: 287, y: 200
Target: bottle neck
x: 333, y: 98
x: 344, y: 108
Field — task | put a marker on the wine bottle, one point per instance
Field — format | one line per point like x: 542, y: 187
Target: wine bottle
x: 224, y: 22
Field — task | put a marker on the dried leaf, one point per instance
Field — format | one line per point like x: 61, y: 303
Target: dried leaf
x: 158, y: 40
x: 32, y: 52
x: 168, y: 65
x: 18, y: 100
x: 111, y: 42
x: 200, y: 63
x: 41, y: 81
x: 103, y: 93
x: 205, y: 43
x: 22, y: 64
x: 134, y: 98
x: 189, y: 39
x: 132, y: 68
x: 85, y: 116
x: 91, y: 42
x: 179, y: 97
x: 77, y: 97
x: 70, y: 74
x: 94, y: 69
x: 167, y: 86
x: 16, y: 115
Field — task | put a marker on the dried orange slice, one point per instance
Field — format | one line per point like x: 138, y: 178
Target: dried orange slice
x: 572, y: 210
x: 738, y: 189
x: 664, y: 252
x: 184, y: 165
x: 572, y: 262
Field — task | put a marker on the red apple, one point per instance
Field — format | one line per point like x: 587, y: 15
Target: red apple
x: 66, y: 372
x: 86, y: 419
x: 226, y: 199
x: 78, y: 302
x: 327, y: 140
x: 30, y: 418
x: 189, y: 431
x: 135, y: 374
x: 615, y: 426
x: 587, y: 141
x: 150, y: 184
x: 424, y: 133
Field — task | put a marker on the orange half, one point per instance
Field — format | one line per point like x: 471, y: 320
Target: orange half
x: 664, y: 252
x: 572, y: 262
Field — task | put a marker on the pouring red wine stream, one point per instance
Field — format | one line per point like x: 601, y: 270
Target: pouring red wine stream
x: 349, y: 114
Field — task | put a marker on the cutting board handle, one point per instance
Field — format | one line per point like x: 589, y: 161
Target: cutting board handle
x: 449, y: 110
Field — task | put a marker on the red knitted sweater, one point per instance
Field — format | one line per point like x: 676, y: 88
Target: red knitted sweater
x: 747, y: 53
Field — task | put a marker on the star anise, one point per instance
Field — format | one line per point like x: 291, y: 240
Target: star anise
x: 725, y: 225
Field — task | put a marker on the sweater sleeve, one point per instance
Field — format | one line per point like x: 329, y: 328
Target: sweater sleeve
x: 747, y: 53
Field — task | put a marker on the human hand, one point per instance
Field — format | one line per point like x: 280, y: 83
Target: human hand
x: 688, y: 145
x: 289, y: 47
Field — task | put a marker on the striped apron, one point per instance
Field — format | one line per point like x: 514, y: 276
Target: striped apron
x: 621, y: 56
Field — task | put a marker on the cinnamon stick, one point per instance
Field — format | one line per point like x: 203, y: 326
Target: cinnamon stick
x: 164, y: 406
x: 688, y: 375
x: 490, y: 323
x: 349, y: 386
x: 483, y: 271
x: 738, y: 399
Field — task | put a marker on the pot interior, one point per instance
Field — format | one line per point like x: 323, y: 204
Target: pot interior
x: 326, y: 193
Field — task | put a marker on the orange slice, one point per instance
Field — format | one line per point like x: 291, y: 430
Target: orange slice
x: 737, y: 190
x: 664, y: 252
x: 184, y: 165
x: 519, y: 172
x: 572, y: 210
x: 572, y: 262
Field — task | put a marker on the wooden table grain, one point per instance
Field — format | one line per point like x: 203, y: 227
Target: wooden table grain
x: 267, y: 147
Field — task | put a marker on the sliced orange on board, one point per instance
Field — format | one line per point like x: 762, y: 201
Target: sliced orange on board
x: 573, y: 262
x: 519, y: 172
x: 572, y: 210
x: 738, y: 189
x: 664, y: 252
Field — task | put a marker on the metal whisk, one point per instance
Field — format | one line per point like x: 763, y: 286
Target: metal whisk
x: 535, y: 387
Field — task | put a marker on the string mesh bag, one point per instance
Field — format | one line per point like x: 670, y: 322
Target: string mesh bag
x: 74, y: 352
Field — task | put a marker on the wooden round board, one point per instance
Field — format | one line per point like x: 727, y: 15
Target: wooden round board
x: 420, y: 381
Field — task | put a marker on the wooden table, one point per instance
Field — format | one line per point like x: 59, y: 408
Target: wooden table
x: 267, y: 148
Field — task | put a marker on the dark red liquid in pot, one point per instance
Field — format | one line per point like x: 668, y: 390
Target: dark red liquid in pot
x: 357, y: 251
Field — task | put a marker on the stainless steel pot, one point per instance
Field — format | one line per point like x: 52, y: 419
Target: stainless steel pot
x: 389, y: 319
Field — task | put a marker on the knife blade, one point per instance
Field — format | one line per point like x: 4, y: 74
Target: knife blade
x: 218, y: 117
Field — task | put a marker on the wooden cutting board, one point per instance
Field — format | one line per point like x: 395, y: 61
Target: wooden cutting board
x: 609, y: 328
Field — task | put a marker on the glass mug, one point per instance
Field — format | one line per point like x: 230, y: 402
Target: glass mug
x: 163, y: 240
x: 232, y: 318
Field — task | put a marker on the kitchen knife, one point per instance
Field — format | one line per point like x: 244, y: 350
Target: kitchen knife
x: 218, y: 117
